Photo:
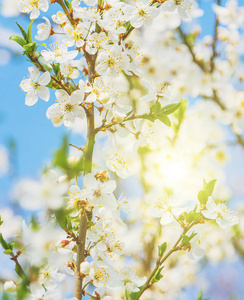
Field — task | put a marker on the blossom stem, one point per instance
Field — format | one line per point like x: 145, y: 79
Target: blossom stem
x: 162, y: 259
x: 88, y: 153
x: 61, y: 2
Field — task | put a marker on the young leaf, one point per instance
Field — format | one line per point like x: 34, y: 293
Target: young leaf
x: 209, y: 187
x: 203, y: 196
x: 155, y: 108
x: 22, y: 31
x: 158, y: 275
x: 162, y: 249
x: 4, y: 244
x: 169, y: 109
x: 60, y: 156
x: 29, y: 37
x: 163, y: 118
x: 149, y: 117
x: 18, y: 40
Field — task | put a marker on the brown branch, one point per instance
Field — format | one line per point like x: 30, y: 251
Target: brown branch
x: 88, y: 153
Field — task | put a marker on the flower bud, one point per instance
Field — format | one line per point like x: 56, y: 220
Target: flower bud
x: 10, y: 286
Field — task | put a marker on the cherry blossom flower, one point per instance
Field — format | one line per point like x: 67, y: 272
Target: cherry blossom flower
x: 112, y: 61
x: 36, y: 87
x: 166, y: 209
x: 33, y: 7
x: 59, y: 54
x: 43, y: 30
x: 68, y: 107
x: 100, y: 193
x: 219, y: 212
x: 141, y: 12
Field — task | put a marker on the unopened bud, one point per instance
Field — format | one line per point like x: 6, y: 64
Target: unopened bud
x: 10, y: 286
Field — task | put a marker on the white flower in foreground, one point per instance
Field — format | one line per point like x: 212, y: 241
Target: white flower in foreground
x: 43, y: 30
x: 10, y: 287
x: 59, y: 53
x: 166, y: 209
x: 131, y: 281
x: 33, y: 7
x: 221, y: 213
x: 112, y: 61
x: 141, y: 12
x: 35, y: 86
x: 68, y: 107
x: 49, y: 276
x: 100, y: 193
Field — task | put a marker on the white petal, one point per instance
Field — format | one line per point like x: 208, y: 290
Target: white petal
x: 78, y: 111
x: 77, y: 97
x: 45, y: 78
x: 31, y: 98
x: 34, y: 73
x: 62, y: 95
x: 44, y: 93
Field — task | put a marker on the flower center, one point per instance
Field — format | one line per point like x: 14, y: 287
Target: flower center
x: 68, y: 107
x: 34, y: 3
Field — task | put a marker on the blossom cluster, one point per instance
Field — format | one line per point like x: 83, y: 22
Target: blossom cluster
x: 128, y: 98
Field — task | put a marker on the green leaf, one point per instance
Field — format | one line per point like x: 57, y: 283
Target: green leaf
x: 157, y: 275
x: 190, y: 39
x: 169, y: 109
x: 8, y: 251
x: 4, y: 244
x: 209, y: 187
x: 192, y: 216
x: 29, y: 36
x: 203, y: 196
x: 180, y: 113
x: 30, y: 47
x: 67, y: 4
x: 22, y: 31
x: 149, y: 117
x: 19, y: 271
x: 162, y: 249
x: 163, y: 118
x: 60, y: 156
x: 56, y: 69
x: 155, y: 108
x: 19, y: 40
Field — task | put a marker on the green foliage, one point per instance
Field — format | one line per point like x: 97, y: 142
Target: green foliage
x: 61, y: 161
x: 5, y: 244
x: 19, y: 40
x: 162, y: 249
x: 159, y: 113
x: 191, y: 216
x: 200, y: 296
x: 207, y: 191
x: 185, y: 243
x: 26, y: 41
x: 180, y: 115
x: 157, y: 275
x: 209, y: 187
x: 63, y: 219
x: 68, y: 4
x: 203, y: 197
